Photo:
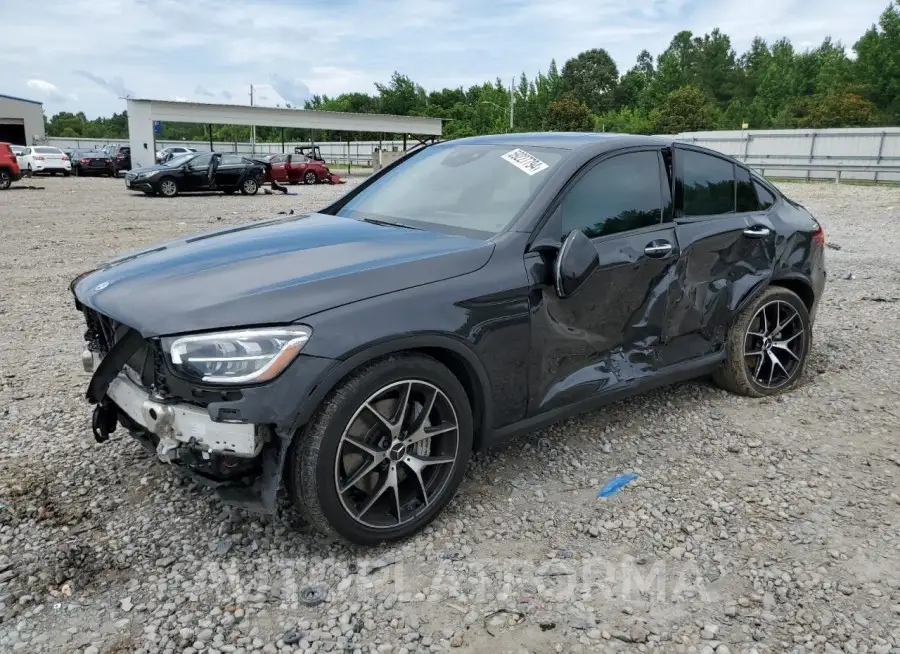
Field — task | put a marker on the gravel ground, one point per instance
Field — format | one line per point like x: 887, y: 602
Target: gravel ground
x: 755, y: 525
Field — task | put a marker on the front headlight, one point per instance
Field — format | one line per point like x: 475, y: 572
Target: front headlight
x: 234, y: 357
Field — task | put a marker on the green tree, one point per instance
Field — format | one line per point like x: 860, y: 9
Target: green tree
x: 878, y: 62
x: 840, y: 109
x: 591, y: 78
x: 568, y: 114
x: 401, y: 96
x: 684, y: 110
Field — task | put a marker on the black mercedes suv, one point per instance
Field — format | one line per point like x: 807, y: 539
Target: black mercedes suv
x: 472, y: 290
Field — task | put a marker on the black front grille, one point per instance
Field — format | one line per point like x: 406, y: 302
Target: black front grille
x: 146, y: 364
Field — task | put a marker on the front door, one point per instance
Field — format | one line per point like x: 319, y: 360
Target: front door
x: 728, y: 250
x: 197, y: 176
x: 605, y: 336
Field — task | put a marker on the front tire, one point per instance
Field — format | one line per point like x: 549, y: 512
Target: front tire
x: 385, y: 452
x: 767, y: 345
x: 168, y: 187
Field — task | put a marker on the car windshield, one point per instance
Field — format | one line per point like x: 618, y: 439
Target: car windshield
x: 179, y: 160
x: 48, y: 151
x: 458, y: 186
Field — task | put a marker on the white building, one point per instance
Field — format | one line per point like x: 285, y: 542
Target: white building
x: 21, y: 120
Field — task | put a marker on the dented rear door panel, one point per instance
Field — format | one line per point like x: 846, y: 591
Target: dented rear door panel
x: 720, y: 266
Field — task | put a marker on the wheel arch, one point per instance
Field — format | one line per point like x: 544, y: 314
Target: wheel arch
x: 455, y: 355
x: 795, y: 282
x: 800, y: 286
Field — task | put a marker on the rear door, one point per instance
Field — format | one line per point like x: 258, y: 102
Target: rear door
x: 228, y: 174
x: 605, y: 336
x: 727, y: 244
x: 277, y: 168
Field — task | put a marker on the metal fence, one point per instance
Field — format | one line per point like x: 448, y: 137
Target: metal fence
x: 358, y: 153
x: 866, y: 154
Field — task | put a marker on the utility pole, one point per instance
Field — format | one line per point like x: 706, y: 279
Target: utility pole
x: 252, y: 127
x: 512, y: 102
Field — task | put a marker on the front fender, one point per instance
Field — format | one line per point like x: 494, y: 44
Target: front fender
x: 363, y: 354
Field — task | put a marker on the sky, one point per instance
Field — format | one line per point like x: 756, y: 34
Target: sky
x: 85, y: 55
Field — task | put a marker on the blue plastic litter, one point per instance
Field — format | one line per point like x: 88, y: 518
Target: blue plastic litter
x: 616, y: 484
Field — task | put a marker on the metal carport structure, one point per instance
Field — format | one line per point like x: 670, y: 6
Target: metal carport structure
x: 143, y: 112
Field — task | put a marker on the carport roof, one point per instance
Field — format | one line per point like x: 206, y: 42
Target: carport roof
x: 12, y: 97
x: 241, y: 114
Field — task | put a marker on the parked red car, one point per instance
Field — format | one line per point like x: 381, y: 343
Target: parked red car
x: 295, y: 168
x: 9, y: 167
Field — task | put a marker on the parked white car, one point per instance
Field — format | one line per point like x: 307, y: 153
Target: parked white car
x: 19, y: 153
x: 164, y: 155
x: 45, y: 159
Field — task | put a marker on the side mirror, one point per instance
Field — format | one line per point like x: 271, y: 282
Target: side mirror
x: 577, y: 260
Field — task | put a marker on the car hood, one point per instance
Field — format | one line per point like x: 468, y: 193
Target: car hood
x: 271, y: 272
x: 147, y: 169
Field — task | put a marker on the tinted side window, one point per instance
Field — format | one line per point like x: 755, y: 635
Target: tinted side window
x: 708, y: 184
x: 746, y: 195
x: 231, y: 160
x: 202, y: 161
x: 614, y: 196
x: 766, y: 199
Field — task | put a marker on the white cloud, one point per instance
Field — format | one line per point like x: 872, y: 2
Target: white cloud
x: 207, y: 50
x: 49, y: 90
x: 42, y: 85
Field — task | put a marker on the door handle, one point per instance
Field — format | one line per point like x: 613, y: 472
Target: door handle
x: 757, y: 231
x: 658, y: 249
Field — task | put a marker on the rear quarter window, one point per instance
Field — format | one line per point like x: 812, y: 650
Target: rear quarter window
x: 708, y: 184
x: 765, y: 197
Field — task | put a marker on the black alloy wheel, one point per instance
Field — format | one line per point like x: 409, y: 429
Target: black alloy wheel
x: 385, y: 453
x: 767, y: 345
x: 774, y: 344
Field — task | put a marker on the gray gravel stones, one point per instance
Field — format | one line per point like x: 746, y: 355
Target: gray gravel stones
x: 755, y: 526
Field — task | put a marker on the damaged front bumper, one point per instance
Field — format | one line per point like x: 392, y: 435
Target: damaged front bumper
x: 182, y: 425
x: 241, y: 461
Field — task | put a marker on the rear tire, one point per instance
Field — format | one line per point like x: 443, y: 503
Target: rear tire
x: 372, y: 511
x: 249, y: 186
x: 763, y: 359
x: 65, y: 173
x: 310, y: 177
x: 5, y: 180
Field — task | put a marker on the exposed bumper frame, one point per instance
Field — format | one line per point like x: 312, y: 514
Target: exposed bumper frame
x: 182, y: 424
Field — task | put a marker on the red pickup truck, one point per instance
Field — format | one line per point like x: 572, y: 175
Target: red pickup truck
x: 9, y: 167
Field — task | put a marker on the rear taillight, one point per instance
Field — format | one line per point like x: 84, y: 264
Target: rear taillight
x: 818, y: 236
x: 85, y: 161
x: 38, y: 157
x: 65, y: 158
x: 120, y: 156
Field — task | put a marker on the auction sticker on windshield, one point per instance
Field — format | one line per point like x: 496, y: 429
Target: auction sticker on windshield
x: 524, y: 161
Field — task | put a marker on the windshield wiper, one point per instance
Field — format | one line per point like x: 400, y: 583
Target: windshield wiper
x: 386, y: 223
